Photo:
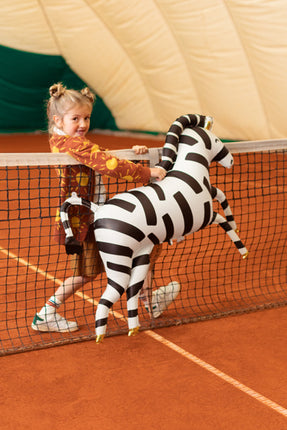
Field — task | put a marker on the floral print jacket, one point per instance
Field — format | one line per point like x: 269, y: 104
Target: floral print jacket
x: 82, y: 179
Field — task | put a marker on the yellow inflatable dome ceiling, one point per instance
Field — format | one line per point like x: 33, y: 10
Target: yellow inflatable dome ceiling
x: 151, y: 61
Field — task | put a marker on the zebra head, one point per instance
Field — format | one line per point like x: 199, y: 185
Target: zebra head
x: 221, y: 153
x: 193, y: 131
x: 197, y: 149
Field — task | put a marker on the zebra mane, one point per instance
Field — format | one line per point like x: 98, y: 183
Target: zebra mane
x: 170, y: 148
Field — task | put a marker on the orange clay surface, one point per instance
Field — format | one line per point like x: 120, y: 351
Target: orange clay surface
x: 223, y: 374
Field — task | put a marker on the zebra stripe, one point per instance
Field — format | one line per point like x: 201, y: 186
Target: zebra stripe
x: 159, y: 191
x: 213, y: 192
x: 168, y: 226
x: 176, y: 128
x: 66, y: 225
x: 119, y: 268
x: 127, y: 206
x: 191, y: 156
x: 170, y: 155
x: 186, y: 212
x: 65, y: 207
x: 207, y: 215
x: 239, y: 245
x: 188, y: 140
x: 121, y: 226
x: 205, y: 137
x: 222, y: 154
x: 226, y: 226
x: 206, y: 183
x: 101, y: 322
x: 191, y: 120
x: 134, y: 289
x: 119, y: 289
x: 152, y: 237
x: 106, y: 303
x: 142, y: 260
x: 148, y: 208
x: 229, y: 218
x: 113, y: 248
x: 170, y: 134
x: 189, y: 180
x: 132, y: 313
x: 170, y: 145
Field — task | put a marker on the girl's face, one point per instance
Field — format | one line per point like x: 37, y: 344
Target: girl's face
x: 76, y: 121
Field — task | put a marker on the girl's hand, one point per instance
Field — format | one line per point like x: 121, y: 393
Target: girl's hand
x: 140, y: 149
x: 158, y: 173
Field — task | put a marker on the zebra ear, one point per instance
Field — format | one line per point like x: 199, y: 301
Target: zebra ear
x: 73, y: 246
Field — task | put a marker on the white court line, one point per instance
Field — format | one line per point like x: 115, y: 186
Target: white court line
x: 203, y: 364
x: 52, y: 278
x: 236, y: 384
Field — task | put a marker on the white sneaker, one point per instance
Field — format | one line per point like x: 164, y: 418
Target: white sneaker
x: 163, y: 297
x: 53, y: 322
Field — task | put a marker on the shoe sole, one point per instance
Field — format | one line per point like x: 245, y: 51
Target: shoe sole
x: 45, y: 329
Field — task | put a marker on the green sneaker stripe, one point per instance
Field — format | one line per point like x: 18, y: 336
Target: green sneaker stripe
x: 37, y: 318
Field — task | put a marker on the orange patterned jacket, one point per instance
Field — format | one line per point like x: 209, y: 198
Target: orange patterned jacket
x: 81, y: 178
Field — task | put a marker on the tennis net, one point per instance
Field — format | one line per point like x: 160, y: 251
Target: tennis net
x: 215, y: 281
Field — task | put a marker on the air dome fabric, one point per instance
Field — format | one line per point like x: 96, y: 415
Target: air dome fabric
x: 151, y: 61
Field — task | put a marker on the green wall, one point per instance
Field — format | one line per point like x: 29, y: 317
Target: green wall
x: 24, y: 82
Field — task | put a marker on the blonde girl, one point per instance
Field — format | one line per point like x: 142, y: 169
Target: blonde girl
x: 69, y: 112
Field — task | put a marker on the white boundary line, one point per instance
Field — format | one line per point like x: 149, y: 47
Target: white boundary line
x: 51, y: 278
x: 203, y: 364
x: 206, y: 366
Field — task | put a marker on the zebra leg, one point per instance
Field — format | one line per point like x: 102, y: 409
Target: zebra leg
x: 220, y: 220
x: 138, y: 274
x: 219, y: 195
x: 132, y: 306
x: 111, y: 295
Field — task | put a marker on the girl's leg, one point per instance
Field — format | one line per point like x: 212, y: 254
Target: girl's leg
x: 48, y: 319
x: 85, y: 268
x: 68, y: 288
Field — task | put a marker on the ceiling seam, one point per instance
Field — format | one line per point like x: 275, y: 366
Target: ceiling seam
x: 250, y: 66
x: 50, y: 26
x: 128, y: 57
x: 181, y: 51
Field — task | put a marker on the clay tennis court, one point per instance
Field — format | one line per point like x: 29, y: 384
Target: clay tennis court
x: 222, y: 373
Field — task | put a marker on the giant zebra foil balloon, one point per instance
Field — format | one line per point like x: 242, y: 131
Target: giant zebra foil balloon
x: 129, y: 225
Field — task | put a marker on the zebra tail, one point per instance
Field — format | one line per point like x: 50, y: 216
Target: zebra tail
x: 72, y: 245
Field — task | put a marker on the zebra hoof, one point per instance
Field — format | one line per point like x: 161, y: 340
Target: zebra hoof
x: 245, y: 255
x: 100, y: 338
x: 133, y: 331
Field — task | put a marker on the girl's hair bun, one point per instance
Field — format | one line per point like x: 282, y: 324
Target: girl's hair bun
x: 57, y: 90
x: 86, y: 92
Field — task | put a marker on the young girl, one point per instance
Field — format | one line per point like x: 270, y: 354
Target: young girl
x: 69, y: 113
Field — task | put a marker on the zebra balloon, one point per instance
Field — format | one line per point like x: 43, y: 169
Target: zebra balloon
x: 128, y: 225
